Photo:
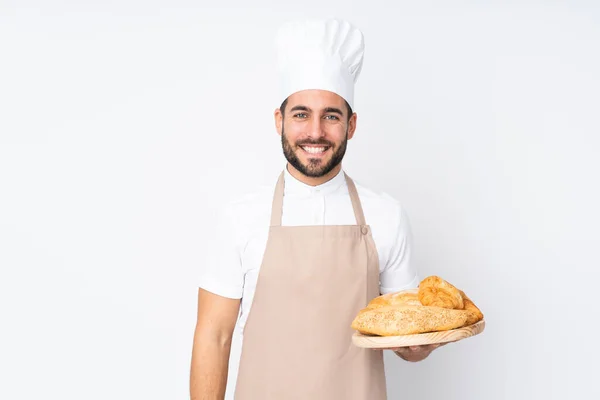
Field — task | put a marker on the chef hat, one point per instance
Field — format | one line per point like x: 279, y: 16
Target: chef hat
x: 319, y: 54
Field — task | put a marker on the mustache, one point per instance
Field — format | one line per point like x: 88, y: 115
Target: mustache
x: 314, y: 143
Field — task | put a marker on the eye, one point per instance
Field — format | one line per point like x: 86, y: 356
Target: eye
x: 300, y: 115
x: 334, y: 117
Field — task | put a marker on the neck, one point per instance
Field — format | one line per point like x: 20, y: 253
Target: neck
x: 312, y: 181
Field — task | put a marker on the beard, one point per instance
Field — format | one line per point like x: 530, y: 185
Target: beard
x: 315, y: 168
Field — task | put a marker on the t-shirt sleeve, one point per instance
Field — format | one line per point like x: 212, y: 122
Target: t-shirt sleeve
x: 222, y: 270
x: 399, y: 273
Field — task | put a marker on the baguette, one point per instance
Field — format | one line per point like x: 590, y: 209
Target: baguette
x: 407, y: 320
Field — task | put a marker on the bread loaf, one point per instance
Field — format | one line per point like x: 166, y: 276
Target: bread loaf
x: 407, y: 320
x: 435, y: 306
x: 474, y: 314
x: 402, y: 298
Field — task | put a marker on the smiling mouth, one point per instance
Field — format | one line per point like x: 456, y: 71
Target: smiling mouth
x: 316, y: 150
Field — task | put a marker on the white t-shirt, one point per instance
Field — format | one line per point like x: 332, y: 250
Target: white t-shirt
x: 241, y: 237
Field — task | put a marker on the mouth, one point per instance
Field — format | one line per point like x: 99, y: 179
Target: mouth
x: 315, y: 150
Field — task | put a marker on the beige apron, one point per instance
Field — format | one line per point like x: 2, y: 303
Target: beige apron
x: 297, y: 340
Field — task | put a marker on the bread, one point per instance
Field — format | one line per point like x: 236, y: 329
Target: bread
x: 436, y: 306
x: 407, y: 320
x: 434, y: 291
x: 474, y: 314
x: 403, y: 298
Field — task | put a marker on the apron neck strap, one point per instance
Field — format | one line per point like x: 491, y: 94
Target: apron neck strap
x: 277, y: 208
x: 356, y: 205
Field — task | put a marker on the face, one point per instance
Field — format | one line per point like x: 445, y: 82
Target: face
x: 314, y: 131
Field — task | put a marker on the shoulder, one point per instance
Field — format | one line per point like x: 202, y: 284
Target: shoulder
x: 257, y: 197
x: 245, y: 209
x: 378, y: 198
x: 382, y: 210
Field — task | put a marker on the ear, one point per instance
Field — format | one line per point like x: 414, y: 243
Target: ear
x: 352, y: 126
x: 278, y: 121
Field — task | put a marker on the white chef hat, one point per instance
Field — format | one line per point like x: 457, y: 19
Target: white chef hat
x: 319, y: 54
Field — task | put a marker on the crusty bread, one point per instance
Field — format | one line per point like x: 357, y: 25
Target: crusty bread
x: 434, y: 291
x: 407, y: 320
x: 474, y: 314
x: 402, y: 298
x: 435, y: 306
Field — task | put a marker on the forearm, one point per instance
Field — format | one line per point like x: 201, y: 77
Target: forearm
x: 210, y: 360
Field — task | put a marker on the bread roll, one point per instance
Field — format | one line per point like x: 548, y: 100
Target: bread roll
x: 434, y: 291
x: 435, y: 306
x: 407, y: 320
x: 474, y: 314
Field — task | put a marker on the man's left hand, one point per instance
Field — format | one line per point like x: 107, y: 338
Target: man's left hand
x: 416, y: 353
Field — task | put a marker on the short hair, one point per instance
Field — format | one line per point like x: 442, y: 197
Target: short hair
x: 284, y: 104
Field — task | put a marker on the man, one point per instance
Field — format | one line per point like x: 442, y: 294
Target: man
x: 276, y: 302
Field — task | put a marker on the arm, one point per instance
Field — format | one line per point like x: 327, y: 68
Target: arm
x: 221, y: 288
x: 217, y: 316
x: 400, y: 273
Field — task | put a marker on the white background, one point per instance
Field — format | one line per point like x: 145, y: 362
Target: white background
x: 123, y: 124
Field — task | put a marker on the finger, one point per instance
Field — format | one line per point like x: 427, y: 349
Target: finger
x: 423, y: 348
x: 434, y: 345
x: 402, y: 350
x: 426, y: 348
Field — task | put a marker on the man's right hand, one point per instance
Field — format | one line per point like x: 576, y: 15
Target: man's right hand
x: 217, y: 316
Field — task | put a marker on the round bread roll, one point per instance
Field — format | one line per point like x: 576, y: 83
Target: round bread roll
x: 434, y: 291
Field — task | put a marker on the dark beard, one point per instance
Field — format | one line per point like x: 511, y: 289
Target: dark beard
x: 314, y: 169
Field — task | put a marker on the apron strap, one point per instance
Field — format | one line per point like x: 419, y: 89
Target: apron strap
x: 277, y: 208
x: 356, y: 205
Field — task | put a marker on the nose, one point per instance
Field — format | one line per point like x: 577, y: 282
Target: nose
x: 315, y: 128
